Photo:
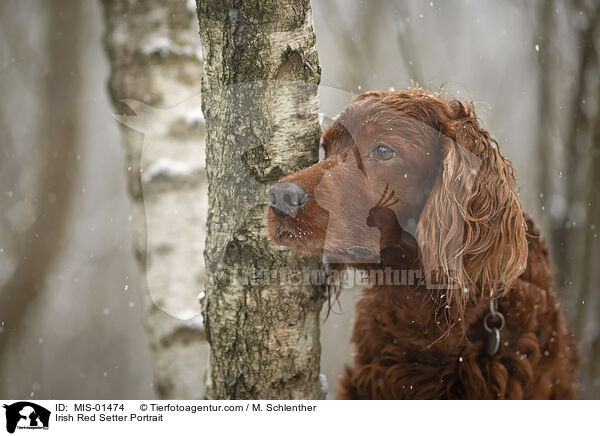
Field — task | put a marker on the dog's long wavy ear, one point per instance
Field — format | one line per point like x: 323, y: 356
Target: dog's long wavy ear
x: 471, y: 232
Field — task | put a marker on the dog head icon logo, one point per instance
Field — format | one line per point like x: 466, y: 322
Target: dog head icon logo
x: 25, y: 414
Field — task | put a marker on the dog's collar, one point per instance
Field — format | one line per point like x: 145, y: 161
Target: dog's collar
x: 492, y: 343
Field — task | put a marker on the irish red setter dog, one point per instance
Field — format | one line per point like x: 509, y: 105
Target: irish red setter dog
x: 416, y: 194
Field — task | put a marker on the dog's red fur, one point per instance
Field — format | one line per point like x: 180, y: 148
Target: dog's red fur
x: 442, y: 200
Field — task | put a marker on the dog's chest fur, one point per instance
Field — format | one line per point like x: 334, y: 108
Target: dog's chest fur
x: 406, y: 349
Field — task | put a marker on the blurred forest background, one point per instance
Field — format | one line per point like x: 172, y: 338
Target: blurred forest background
x: 76, y: 317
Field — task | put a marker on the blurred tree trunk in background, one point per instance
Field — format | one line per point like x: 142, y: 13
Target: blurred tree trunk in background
x: 264, y: 335
x: 591, y: 253
x: 583, y: 164
x: 54, y: 158
x: 545, y: 49
x: 155, y: 59
x: 572, y: 203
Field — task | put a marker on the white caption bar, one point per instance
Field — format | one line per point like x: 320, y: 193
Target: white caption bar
x: 296, y: 417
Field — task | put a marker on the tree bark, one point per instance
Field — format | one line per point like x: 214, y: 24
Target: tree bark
x: 156, y: 65
x: 261, y: 107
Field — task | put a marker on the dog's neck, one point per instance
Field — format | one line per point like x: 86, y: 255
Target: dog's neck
x: 418, y: 304
x: 399, y: 281
x: 423, y: 318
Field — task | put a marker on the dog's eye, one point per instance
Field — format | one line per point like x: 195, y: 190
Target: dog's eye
x: 382, y: 152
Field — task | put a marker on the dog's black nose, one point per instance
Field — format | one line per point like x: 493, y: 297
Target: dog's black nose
x: 287, y: 198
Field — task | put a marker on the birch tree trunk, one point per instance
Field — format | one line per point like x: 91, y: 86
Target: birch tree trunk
x: 155, y: 60
x: 261, y: 106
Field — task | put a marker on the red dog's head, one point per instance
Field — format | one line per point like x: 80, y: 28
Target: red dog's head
x: 408, y: 174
